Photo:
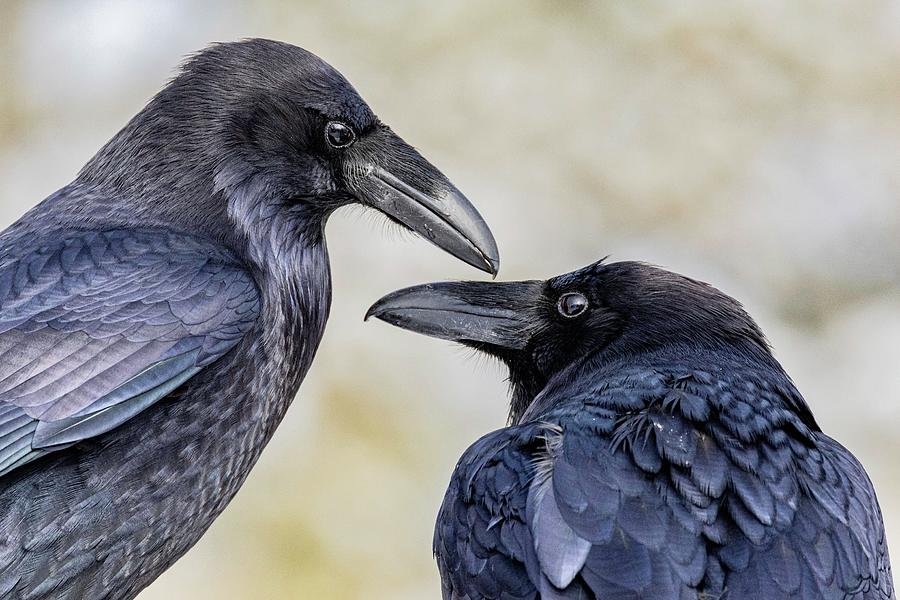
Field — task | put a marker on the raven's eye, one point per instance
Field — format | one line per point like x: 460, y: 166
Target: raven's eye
x: 572, y: 304
x: 339, y: 135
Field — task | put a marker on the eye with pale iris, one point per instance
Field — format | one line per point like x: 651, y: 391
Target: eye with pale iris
x: 339, y: 135
x: 572, y: 304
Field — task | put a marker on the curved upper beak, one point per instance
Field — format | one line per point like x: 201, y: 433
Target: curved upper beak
x: 389, y: 175
x: 465, y: 312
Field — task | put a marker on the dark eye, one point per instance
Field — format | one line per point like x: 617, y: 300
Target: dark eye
x: 572, y: 304
x: 339, y: 135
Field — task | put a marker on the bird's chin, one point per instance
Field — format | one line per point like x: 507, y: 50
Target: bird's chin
x: 325, y: 202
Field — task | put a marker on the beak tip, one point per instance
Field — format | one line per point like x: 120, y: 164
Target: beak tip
x: 380, y: 308
x: 490, y: 257
x: 494, y: 268
x: 493, y: 264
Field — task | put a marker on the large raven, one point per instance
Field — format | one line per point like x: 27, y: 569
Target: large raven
x: 158, y: 314
x: 656, y: 449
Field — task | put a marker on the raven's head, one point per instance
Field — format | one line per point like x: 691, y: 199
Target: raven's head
x: 253, y: 129
x: 598, y: 313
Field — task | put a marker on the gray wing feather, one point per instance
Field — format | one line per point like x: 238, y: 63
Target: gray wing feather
x: 560, y: 551
x: 97, y: 326
x: 90, y: 423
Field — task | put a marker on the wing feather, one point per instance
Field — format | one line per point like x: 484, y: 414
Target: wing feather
x: 97, y: 326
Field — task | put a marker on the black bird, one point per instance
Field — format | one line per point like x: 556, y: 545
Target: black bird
x: 158, y: 314
x: 656, y: 449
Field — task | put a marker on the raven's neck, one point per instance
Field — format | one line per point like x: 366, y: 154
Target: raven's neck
x: 289, y: 258
x: 283, y: 243
x: 664, y: 367
x: 524, y: 385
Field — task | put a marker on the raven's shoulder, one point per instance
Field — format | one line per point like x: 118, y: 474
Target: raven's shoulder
x: 735, y: 387
x: 664, y: 482
x: 95, y: 326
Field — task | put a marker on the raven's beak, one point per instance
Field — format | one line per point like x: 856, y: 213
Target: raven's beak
x: 386, y: 173
x: 465, y: 312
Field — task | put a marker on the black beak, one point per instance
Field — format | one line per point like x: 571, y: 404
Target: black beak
x: 386, y: 173
x: 471, y: 313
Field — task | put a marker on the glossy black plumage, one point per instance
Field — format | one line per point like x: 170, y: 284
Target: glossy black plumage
x: 663, y: 454
x: 158, y: 314
x: 100, y: 325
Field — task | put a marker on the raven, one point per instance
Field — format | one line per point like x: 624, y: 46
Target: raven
x: 656, y: 449
x: 158, y: 314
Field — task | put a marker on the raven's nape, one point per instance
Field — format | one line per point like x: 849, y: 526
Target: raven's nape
x: 386, y: 173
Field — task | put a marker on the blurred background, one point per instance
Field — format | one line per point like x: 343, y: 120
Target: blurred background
x: 755, y: 145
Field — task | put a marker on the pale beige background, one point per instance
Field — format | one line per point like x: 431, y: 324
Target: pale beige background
x: 753, y: 144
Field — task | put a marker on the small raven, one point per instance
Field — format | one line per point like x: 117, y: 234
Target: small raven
x: 656, y: 449
x: 158, y: 314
